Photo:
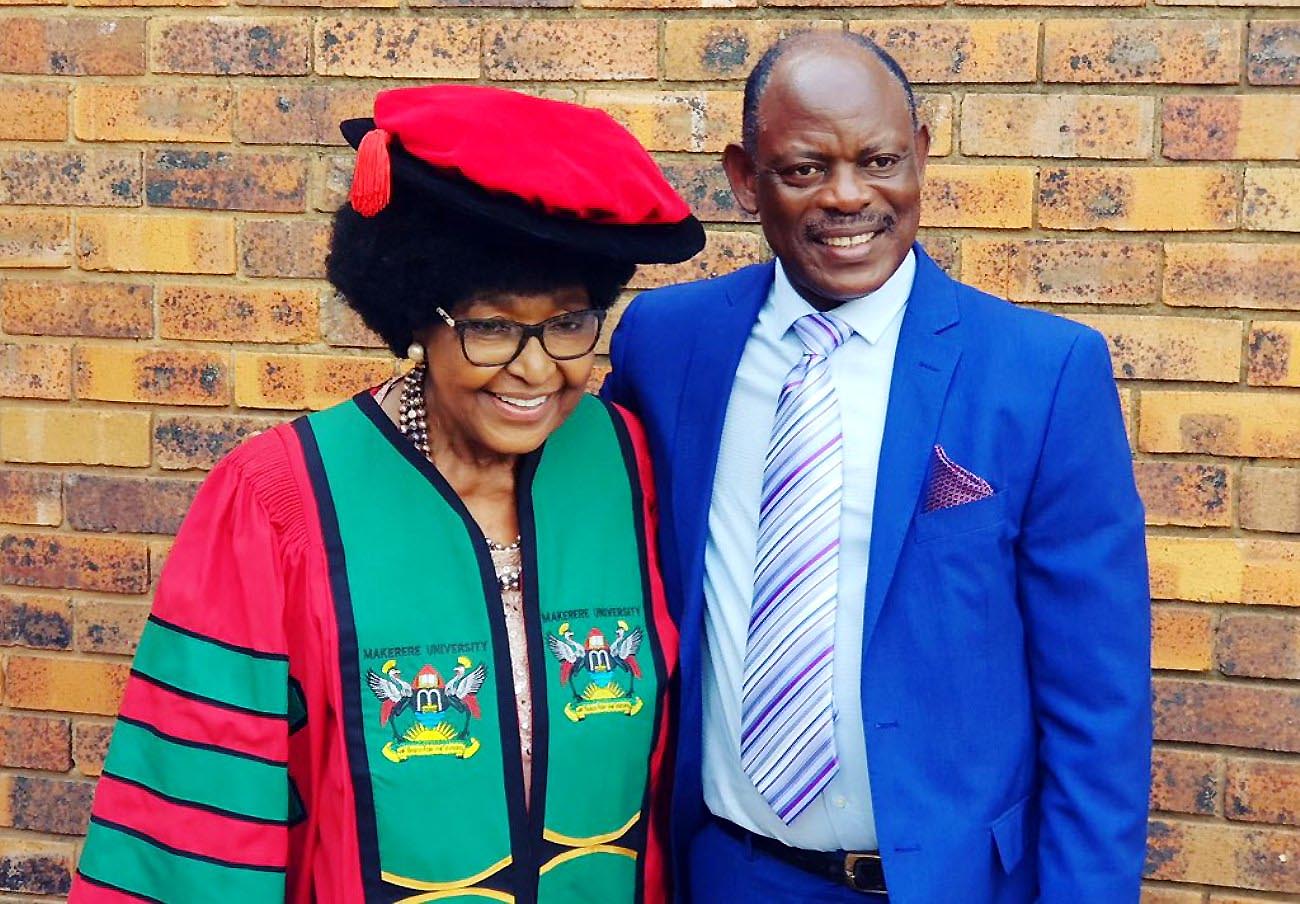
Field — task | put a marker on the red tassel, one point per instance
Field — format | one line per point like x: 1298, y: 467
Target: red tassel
x: 372, y: 180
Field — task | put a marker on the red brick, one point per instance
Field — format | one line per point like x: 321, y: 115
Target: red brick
x: 1259, y: 646
x: 1142, y: 51
x: 109, y: 627
x: 1270, y: 499
x: 74, y: 563
x: 342, y: 326
x: 39, y: 622
x: 95, y: 178
x: 1263, y: 791
x: 704, y: 186
x: 298, y: 115
x: 36, y: 867
x: 398, y: 48
x: 64, y: 684
x: 1195, y: 495
x: 580, y: 50
x: 34, y: 742
x: 1215, y: 712
x: 952, y: 50
x: 132, y: 505
x: 1221, y: 854
x: 235, y: 314
x: 219, y: 45
x: 30, y: 497
x: 1185, y: 781
x: 58, y: 806
x: 185, y: 441
x: 34, y: 371
x: 85, y: 45
x: 204, y: 180
x: 113, y: 373
x: 1232, y: 275
x: 32, y: 239
x: 1273, y: 54
x: 33, y: 112
x: 90, y: 746
x: 110, y: 310
x: 284, y: 249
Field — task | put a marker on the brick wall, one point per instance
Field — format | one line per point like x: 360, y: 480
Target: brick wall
x: 166, y: 174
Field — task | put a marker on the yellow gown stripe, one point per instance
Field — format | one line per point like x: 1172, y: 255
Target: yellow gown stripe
x: 594, y: 839
x: 585, y: 851
x: 460, y: 893
x: 445, y: 886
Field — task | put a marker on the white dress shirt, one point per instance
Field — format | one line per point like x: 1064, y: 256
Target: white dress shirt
x: 841, y: 817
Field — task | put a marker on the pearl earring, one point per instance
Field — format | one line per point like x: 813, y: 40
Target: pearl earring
x: 415, y: 351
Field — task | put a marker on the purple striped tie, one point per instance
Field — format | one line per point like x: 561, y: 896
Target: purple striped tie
x: 787, y: 746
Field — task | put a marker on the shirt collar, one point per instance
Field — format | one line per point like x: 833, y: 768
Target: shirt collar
x: 868, y: 315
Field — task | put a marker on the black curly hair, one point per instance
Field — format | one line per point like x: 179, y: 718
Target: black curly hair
x: 396, y: 267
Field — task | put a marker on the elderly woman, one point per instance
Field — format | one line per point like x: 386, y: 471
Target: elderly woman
x: 414, y: 647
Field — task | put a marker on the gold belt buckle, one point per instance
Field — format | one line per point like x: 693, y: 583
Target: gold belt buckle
x: 851, y: 861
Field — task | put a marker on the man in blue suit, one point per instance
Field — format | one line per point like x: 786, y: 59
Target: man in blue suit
x: 902, y: 535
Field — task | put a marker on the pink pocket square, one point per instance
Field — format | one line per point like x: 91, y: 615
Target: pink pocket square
x: 951, y: 484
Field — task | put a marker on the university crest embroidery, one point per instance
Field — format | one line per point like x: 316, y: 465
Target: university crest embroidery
x: 600, y: 674
x: 439, y: 711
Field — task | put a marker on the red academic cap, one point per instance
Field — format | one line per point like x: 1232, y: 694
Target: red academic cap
x: 555, y: 171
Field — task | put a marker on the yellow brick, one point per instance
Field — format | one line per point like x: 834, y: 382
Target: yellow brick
x: 686, y: 4
x: 935, y: 110
x: 701, y: 121
x: 117, y: 373
x: 296, y: 382
x: 1225, y: 570
x: 1273, y: 353
x: 1272, y: 199
x: 706, y: 49
x: 952, y: 50
x: 64, y: 684
x: 1057, y: 125
x: 723, y: 252
x: 1126, y: 407
x: 401, y: 48
x: 1170, y: 348
x: 226, y: 314
x: 35, y: 239
x: 1182, y: 639
x: 990, y: 197
x: 152, y: 113
x: 34, y: 371
x: 580, y: 50
x: 1052, y: 271
x: 1260, y: 424
x: 1170, y: 198
x: 1232, y: 275
x: 1146, y: 51
x: 171, y: 243
x: 33, y: 112
x: 1231, y: 127
x: 74, y: 436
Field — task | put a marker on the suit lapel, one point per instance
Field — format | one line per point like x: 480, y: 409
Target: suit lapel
x: 923, y: 368
x: 719, y: 341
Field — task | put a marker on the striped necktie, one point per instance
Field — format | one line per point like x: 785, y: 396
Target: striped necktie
x: 787, y: 744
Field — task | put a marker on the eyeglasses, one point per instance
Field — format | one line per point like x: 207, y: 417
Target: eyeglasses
x: 496, y: 342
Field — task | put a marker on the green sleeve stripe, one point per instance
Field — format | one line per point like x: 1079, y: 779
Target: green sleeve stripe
x: 229, y: 783
x: 125, y: 859
x: 211, y: 670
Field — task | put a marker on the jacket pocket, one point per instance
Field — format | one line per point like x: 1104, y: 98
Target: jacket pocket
x: 960, y: 519
x: 1010, y: 834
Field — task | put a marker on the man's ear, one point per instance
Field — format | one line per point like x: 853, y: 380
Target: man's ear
x: 922, y: 143
x: 743, y: 176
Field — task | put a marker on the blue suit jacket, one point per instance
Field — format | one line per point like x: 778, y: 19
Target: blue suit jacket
x: 1006, y: 643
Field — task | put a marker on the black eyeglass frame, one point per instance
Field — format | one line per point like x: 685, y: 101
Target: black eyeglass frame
x: 528, y: 331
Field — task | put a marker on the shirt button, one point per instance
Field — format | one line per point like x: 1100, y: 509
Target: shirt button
x: 839, y: 801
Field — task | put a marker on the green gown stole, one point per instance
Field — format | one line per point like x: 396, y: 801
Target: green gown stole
x: 431, y: 722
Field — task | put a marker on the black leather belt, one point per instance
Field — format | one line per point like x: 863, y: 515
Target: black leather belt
x: 859, y: 870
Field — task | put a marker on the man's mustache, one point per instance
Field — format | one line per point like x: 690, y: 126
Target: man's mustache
x: 857, y: 222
